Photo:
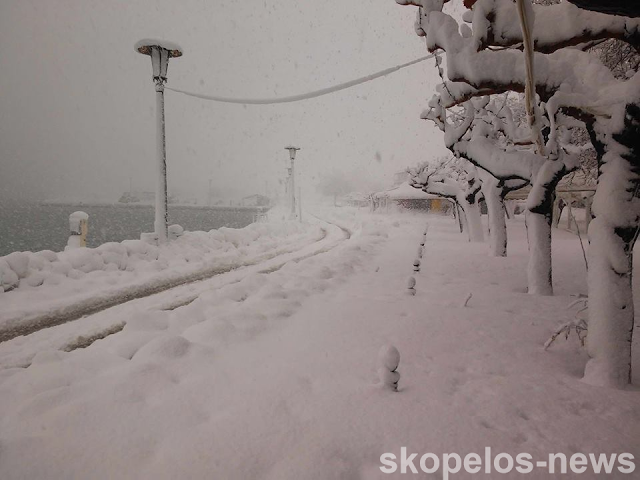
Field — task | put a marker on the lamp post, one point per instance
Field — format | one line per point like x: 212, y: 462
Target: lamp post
x: 292, y: 186
x: 160, y: 52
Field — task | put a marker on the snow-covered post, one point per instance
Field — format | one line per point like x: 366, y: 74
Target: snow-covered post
x: 292, y: 176
x: 416, y: 265
x: 162, y: 217
x: 175, y: 231
x: 160, y: 52
x: 388, y: 361
x: 78, y: 228
x: 411, y: 286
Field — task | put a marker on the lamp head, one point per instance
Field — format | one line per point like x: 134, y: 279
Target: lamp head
x: 160, y: 52
x: 292, y: 151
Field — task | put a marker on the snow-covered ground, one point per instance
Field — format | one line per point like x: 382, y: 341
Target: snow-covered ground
x: 271, y: 373
x: 45, y: 287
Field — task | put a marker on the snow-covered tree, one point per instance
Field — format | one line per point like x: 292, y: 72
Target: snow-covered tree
x: 451, y: 179
x: 540, y: 50
x: 469, y: 135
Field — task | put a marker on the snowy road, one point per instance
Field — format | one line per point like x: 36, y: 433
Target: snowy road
x: 100, y: 317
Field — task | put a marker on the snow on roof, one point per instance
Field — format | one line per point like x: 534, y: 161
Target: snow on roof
x: 142, y: 46
x: 406, y: 192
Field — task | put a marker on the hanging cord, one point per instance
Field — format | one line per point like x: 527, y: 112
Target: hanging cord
x: 530, y: 85
x: 304, y: 96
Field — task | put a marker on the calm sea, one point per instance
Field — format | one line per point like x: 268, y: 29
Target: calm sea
x: 46, y: 227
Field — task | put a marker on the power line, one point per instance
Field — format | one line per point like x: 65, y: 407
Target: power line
x: 304, y: 96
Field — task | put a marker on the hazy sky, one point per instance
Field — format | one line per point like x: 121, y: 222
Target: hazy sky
x: 77, y: 103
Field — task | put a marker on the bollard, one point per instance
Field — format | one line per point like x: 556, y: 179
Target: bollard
x: 416, y: 265
x: 78, y: 227
x: 411, y: 285
x: 420, y: 252
x: 175, y: 231
x: 388, y: 361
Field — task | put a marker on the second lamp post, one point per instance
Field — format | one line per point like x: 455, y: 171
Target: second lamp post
x: 292, y: 185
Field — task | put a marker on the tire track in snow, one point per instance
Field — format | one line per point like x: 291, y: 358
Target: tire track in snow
x: 182, y: 300
x: 347, y: 235
x: 68, y: 313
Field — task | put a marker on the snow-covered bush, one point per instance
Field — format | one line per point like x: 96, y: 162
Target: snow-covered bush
x: 449, y: 179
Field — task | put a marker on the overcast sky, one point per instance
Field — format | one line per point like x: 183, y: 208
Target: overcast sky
x: 77, y: 103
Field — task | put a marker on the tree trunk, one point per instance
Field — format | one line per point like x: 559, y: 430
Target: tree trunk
x: 611, y: 312
x: 496, y: 213
x: 497, y: 225
x: 538, y: 219
x: 539, y: 273
x: 612, y: 235
x: 474, y: 221
x: 458, y: 215
x: 557, y: 212
x: 587, y: 214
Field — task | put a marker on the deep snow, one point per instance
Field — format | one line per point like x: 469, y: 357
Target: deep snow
x: 275, y: 376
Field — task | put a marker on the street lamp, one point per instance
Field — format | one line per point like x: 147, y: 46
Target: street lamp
x: 160, y: 52
x: 292, y: 156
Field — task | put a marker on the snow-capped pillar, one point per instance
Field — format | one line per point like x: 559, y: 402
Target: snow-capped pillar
x: 411, y: 286
x: 388, y: 361
x: 78, y: 228
x: 292, y: 179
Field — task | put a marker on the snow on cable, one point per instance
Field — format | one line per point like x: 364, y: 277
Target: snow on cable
x: 304, y: 96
